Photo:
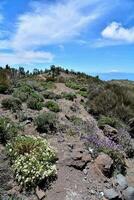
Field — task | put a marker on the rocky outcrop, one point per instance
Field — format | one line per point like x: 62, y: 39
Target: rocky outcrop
x: 104, y: 163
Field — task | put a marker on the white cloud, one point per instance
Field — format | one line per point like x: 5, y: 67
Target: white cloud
x: 26, y: 57
x: 53, y: 24
x: 49, y: 24
x: 116, y: 31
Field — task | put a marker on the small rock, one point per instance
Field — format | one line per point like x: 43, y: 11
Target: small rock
x: 92, y: 192
x: 103, y: 162
x: 110, y: 193
x: 40, y: 193
x: 85, y: 171
x: 122, y: 182
x: 128, y: 194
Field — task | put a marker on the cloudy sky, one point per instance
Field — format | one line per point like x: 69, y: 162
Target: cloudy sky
x: 85, y: 35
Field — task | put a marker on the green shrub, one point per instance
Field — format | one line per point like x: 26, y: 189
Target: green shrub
x: 37, y: 96
x: 3, y: 88
x: 83, y: 94
x: 75, y: 120
x: 51, y: 95
x: 35, y: 101
x: 69, y: 96
x: 8, y: 130
x: 33, y: 160
x: 73, y: 85
x: 84, y: 89
x: 34, y: 104
x: 111, y: 100
x: 13, y: 104
x: 4, y: 82
x: 111, y: 121
x: 23, y: 92
x: 48, y: 85
x: 52, y: 106
x: 46, y: 122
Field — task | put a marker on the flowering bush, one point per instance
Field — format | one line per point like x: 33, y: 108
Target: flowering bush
x: 32, y: 160
x: 109, y: 147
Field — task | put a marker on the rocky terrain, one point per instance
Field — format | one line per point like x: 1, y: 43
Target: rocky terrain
x: 94, y: 151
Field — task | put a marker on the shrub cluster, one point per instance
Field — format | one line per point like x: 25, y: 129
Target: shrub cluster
x: 33, y: 160
x: 112, y: 100
x: 4, y: 82
x: 83, y: 93
x: 8, y: 130
x: 51, y: 95
x: 22, y: 92
x: 69, y: 96
x: 13, y: 104
x: 35, y: 101
x: 48, y: 85
x: 52, y: 106
x: 73, y: 85
x: 46, y: 122
x: 111, y: 121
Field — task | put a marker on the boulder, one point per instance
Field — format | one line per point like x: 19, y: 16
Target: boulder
x: 111, y: 194
x: 128, y: 194
x: 121, y: 181
x: 40, y: 193
x: 77, y: 158
x: 110, y: 132
x: 104, y: 163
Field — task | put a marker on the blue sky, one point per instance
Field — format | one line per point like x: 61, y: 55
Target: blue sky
x: 84, y: 35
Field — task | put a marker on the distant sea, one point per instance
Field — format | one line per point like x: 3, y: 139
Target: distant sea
x: 115, y: 76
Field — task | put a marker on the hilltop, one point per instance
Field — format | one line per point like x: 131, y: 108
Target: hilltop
x: 65, y: 135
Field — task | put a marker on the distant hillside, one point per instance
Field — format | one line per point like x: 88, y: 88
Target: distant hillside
x: 115, y: 75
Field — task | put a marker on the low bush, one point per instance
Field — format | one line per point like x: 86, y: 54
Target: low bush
x: 35, y: 101
x: 73, y: 85
x: 34, y: 104
x: 69, y: 96
x: 13, y: 104
x: 111, y: 100
x: 111, y: 121
x: 46, y: 122
x: 23, y: 92
x: 8, y: 130
x: 33, y: 160
x: 4, y: 82
x: 83, y: 94
x: 52, y: 106
x: 51, y: 95
x: 83, y: 89
x: 76, y: 120
x: 48, y: 85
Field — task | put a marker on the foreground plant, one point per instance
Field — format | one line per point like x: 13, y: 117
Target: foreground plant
x: 109, y: 147
x: 8, y: 130
x: 32, y: 159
